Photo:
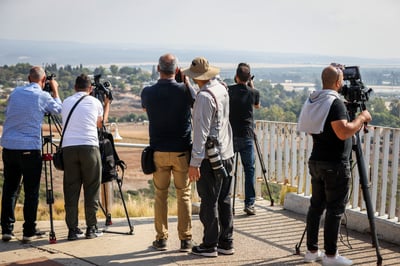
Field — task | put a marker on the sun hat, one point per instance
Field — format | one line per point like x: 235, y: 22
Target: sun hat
x: 201, y: 70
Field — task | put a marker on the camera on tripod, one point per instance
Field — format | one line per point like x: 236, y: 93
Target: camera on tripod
x: 354, y: 90
x: 47, y: 85
x: 215, y: 158
x: 101, y: 89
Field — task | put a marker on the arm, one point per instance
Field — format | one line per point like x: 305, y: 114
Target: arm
x: 345, y: 129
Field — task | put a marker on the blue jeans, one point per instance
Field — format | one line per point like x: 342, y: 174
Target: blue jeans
x: 18, y: 164
x: 330, y: 190
x: 245, y: 146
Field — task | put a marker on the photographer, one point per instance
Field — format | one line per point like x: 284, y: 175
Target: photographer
x: 212, y: 159
x: 22, y: 144
x: 82, y: 160
x: 167, y: 104
x: 325, y: 117
x: 242, y: 98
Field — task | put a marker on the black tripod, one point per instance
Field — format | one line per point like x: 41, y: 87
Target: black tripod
x: 47, y: 156
x: 264, y: 171
x: 115, y: 172
x: 352, y: 109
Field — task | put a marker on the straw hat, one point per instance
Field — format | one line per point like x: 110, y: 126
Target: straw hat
x: 201, y: 70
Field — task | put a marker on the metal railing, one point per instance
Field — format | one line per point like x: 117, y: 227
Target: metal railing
x: 286, y: 153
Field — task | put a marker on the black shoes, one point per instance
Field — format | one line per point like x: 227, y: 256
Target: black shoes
x: 186, y: 245
x: 204, y: 251
x: 250, y: 210
x: 7, y: 237
x: 160, y: 244
x: 75, y: 233
x: 93, y: 232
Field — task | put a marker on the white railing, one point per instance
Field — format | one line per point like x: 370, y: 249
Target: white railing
x: 286, y: 151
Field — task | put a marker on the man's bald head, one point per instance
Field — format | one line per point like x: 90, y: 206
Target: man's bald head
x: 330, y: 76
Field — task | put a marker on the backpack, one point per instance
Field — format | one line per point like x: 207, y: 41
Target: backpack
x: 109, y: 158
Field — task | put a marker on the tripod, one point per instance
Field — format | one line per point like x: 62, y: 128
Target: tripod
x: 263, y: 169
x: 352, y: 109
x: 111, y: 166
x: 47, y: 157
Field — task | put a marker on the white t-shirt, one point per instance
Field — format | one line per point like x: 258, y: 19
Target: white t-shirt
x: 82, y: 126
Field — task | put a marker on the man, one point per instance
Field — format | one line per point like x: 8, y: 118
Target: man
x: 22, y: 144
x: 211, y: 128
x: 324, y: 115
x: 242, y: 98
x: 168, y: 105
x: 82, y: 162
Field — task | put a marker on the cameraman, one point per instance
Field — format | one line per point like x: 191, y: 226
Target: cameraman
x: 325, y: 117
x: 22, y: 146
x: 242, y: 98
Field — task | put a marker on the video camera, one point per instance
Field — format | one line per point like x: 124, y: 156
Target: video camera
x: 354, y: 90
x: 101, y: 89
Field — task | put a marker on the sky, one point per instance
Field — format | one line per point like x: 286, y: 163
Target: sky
x: 359, y: 28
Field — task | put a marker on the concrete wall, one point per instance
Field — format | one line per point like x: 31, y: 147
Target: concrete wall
x: 386, y: 230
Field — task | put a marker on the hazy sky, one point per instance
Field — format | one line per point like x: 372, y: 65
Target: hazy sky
x: 366, y: 28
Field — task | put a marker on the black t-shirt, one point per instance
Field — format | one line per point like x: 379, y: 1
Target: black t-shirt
x: 168, y: 109
x: 242, y: 98
x: 327, y: 146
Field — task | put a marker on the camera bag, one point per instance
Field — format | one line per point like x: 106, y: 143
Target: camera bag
x: 147, y: 160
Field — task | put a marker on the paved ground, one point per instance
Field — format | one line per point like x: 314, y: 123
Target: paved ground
x: 268, y: 238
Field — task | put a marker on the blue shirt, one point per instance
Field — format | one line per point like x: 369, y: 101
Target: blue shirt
x: 25, y: 111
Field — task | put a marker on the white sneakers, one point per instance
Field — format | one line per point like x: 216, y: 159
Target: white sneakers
x: 313, y: 256
x: 336, y: 260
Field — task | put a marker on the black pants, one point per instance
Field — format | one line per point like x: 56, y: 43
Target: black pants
x: 18, y: 164
x: 216, y: 207
x: 330, y: 189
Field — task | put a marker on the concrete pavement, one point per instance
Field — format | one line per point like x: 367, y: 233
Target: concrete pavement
x: 268, y: 238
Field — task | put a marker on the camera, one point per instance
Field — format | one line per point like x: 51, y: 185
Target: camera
x: 215, y: 158
x: 354, y: 90
x: 101, y: 89
x: 47, y: 85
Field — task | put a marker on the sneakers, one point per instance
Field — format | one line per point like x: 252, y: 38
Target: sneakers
x: 27, y: 239
x: 74, y: 234
x: 249, y: 209
x: 336, y: 260
x: 161, y: 244
x: 7, y: 237
x: 206, y: 252
x: 186, y: 245
x: 93, y: 232
x: 226, y: 251
x: 313, y: 256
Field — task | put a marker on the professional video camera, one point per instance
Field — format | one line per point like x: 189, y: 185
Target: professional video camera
x: 101, y: 89
x: 354, y: 90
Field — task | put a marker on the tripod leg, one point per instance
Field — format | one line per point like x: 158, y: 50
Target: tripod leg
x: 365, y: 189
x: 106, y: 212
x: 235, y: 183
x: 126, y: 211
x: 264, y: 170
x: 298, y: 245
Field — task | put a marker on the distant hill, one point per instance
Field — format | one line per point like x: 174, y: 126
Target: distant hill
x: 75, y: 53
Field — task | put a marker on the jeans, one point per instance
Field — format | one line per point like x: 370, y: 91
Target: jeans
x: 216, y: 206
x: 18, y: 164
x: 330, y: 190
x: 245, y: 146
x: 177, y: 164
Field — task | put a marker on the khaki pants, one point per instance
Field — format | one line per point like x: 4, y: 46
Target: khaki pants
x: 177, y: 164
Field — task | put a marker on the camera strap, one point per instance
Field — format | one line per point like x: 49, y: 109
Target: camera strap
x: 68, y: 117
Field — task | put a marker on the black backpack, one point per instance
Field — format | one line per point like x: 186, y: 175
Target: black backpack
x: 109, y: 158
